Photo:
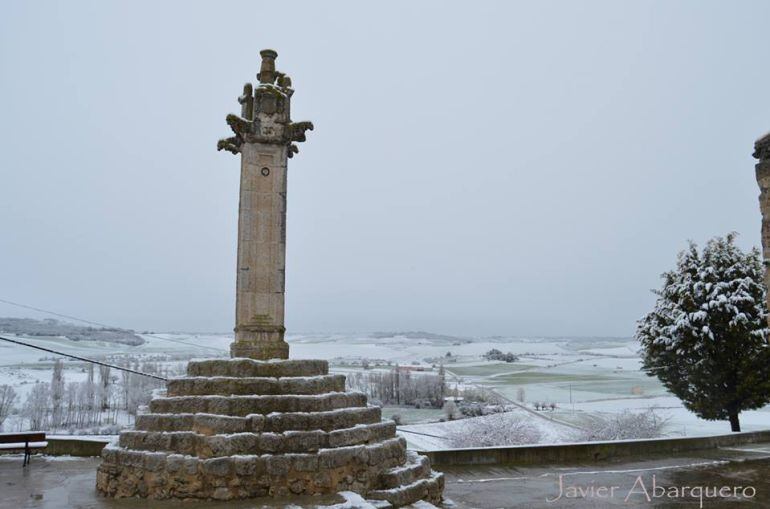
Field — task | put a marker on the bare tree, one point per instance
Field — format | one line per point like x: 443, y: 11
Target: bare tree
x: 90, y: 394
x: 398, y: 386
x: 442, y: 380
x: 57, y: 393
x: 36, y: 406
x: 71, y: 403
x: 7, y: 399
x: 104, y: 383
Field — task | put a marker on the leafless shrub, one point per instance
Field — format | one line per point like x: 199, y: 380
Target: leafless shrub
x: 492, y: 430
x: 480, y: 394
x: 450, y: 410
x: 626, y: 425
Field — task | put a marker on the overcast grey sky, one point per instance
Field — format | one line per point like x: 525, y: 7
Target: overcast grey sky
x: 478, y: 168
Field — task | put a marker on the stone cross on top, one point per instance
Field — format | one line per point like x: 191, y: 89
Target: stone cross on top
x: 264, y: 136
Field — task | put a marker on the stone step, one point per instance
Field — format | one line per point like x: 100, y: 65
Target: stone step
x: 158, y: 475
x: 212, y: 446
x: 253, y: 368
x: 416, y: 467
x: 225, y: 385
x: 326, y: 471
x: 245, y: 405
x: 385, y: 454
x: 210, y: 424
x: 429, y: 489
x: 325, y: 421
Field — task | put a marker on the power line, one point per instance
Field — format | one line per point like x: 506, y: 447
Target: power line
x: 33, y: 308
x: 417, y: 433
x: 56, y: 314
x: 121, y: 368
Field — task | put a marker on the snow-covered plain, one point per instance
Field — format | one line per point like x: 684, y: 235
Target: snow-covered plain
x: 584, y: 377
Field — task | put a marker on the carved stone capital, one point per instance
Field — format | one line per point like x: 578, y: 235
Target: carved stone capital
x: 240, y: 126
x: 762, y: 148
x: 265, y: 112
x: 232, y: 144
x: 296, y: 131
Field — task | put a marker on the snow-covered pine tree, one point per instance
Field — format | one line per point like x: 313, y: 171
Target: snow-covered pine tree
x: 707, y: 338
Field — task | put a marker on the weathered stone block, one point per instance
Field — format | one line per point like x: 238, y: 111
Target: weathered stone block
x: 278, y: 465
x: 246, y: 405
x: 210, y: 424
x: 164, y: 422
x: 213, y: 446
x: 254, y: 368
x: 325, y: 420
x: 244, y: 443
x: 222, y: 493
x: 131, y: 458
x: 219, y: 467
x: 302, y: 441
x: 175, y: 463
x: 192, y: 386
x: 110, y: 454
x: 154, y: 461
x: 250, y: 466
x: 304, y: 462
x: 342, y: 456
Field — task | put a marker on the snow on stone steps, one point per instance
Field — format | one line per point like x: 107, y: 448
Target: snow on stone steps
x: 429, y: 489
x: 416, y: 467
x: 245, y: 405
x: 213, y: 424
x: 230, y: 385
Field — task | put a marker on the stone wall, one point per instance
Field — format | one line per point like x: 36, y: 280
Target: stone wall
x: 588, y: 452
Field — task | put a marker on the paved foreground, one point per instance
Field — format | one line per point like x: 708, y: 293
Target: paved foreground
x: 741, y: 475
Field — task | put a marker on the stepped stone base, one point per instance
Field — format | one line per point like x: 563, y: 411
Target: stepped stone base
x: 243, y: 428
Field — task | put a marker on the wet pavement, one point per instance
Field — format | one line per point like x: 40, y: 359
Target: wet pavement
x: 731, y: 477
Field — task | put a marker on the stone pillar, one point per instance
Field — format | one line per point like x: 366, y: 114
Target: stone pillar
x: 264, y: 137
x: 762, y: 153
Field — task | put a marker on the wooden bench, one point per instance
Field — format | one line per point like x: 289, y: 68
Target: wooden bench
x: 27, y: 440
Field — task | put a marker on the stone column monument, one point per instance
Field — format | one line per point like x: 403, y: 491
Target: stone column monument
x: 264, y: 136
x: 762, y: 152
x: 259, y: 424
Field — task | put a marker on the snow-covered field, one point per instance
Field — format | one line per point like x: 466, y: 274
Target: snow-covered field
x: 22, y: 367
x: 584, y: 377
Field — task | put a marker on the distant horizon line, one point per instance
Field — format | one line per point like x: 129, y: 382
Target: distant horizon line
x: 398, y: 333
x: 391, y: 333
